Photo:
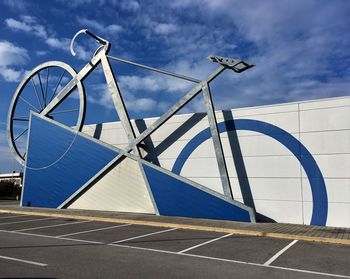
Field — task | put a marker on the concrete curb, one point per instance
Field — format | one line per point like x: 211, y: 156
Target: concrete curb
x: 182, y: 226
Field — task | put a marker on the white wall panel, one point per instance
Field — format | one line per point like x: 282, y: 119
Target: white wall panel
x: 325, y: 103
x: 213, y: 183
x: 165, y: 131
x: 114, y: 136
x: 327, y: 142
x: 306, y: 190
x: 259, y: 145
x: 287, y: 121
x: 174, y: 149
x: 277, y: 182
x: 338, y: 190
x: 195, y: 167
x: 236, y: 187
x: 280, y: 211
x: 267, y: 166
x: 269, y: 109
x: 270, y: 166
x: 338, y: 214
x: 89, y: 129
x: 327, y: 119
x: 333, y: 165
x: 121, y: 189
x: 288, y: 189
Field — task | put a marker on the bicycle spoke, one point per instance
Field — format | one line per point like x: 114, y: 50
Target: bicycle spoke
x: 57, y: 85
x: 47, y: 83
x: 42, y: 90
x: 45, y: 91
x: 21, y: 134
x: 24, y: 100
x: 36, y: 93
x: 20, y: 119
x: 64, y: 111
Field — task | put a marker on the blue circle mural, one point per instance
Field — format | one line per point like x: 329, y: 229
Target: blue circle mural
x: 313, y: 172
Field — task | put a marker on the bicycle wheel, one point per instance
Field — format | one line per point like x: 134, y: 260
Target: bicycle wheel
x: 34, y: 93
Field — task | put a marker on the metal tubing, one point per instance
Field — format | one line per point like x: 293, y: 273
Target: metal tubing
x: 154, y: 69
x: 220, y: 158
x: 118, y: 101
x: 124, y: 118
x: 71, y: 85
x: 175, y: 108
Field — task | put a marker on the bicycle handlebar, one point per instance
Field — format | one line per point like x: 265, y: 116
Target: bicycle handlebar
x: 104, y: 43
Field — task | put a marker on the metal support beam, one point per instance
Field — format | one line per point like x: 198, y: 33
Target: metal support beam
x: 118, y: 102
x: 220, y: 158
x: 175, y: 108
x: 154, y: 69
x: 125, y: 119
x: 84, y: 72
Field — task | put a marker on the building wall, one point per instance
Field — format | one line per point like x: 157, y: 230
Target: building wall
x: 273, y: 154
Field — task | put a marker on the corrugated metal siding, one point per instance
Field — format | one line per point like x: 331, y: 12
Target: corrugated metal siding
x: 58, y: 163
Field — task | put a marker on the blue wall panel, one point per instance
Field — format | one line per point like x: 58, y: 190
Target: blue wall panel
x: 58, y: 163
x: 177, y: 198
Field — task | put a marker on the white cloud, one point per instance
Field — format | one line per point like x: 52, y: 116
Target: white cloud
x: 11, y: 57
x: 164, y: 28
x: 58, y: 43
x: 7, y: 160
x: 41, y: 52
x: 75, y: 3
x: 136, y: 83
x: 99, y: 27
x: 130, y: 5
x: 11, y: 54
x: 298, y: 45
x: 141, y: 104
x: 82, y: 53
x: 113, y: 28
x: 15, y: 24
x: 30, y: 25
x: 11, y: 75
x: 18, y: 5
x: 100, y: 95
x: 162, y: 84
x: 27, y: 24
x: 101, y: 3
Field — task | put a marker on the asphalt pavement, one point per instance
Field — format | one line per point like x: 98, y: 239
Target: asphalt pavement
x: 34, y: 246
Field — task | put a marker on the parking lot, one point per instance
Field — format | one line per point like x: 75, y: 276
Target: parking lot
x: 48, y: 247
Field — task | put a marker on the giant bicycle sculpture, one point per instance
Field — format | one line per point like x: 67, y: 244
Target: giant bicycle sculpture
x: 44, y: 124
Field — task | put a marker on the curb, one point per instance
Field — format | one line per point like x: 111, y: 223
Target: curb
x: 183, y: 226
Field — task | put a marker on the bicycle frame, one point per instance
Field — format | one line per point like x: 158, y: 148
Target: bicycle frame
x: 101, y: 56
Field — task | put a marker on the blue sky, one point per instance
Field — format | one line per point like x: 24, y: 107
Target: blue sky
x: 301, y: 50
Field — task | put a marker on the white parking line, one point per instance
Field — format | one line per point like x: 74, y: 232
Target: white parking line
x: 187, y: 255
x: 144, y: 235
x: 95, y: 230
x: 26, y: 221
x: 204, y: 243
x: 8, y: 217
x: 51, y: 226
x: 80, y: 240
x: 279, y: 253
x: 22, y: 261
x: 230, y: 261
x: 52, y: 237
